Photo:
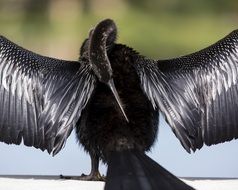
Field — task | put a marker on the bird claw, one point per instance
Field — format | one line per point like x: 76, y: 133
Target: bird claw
x: 96, y: 176
x: 92, y: 177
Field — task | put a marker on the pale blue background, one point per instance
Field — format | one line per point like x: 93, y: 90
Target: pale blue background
x: 215, y: 161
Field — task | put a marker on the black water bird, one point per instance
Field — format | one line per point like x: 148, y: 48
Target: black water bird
x: 112, y: 96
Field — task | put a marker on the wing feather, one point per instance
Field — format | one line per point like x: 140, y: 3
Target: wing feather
x: 197, y: 93
x: 41, y: 98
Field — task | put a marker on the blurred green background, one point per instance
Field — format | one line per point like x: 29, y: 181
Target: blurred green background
x: 156, y: 28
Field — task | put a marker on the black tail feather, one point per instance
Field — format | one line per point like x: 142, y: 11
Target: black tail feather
x: 133, y: 170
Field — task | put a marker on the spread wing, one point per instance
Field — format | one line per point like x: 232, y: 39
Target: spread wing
x: 41, y: 98
x: 197, y: 93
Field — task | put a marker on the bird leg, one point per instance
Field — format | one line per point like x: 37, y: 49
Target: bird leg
x: 94, y: 174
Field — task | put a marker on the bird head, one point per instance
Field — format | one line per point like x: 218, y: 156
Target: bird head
x: 101, y: 39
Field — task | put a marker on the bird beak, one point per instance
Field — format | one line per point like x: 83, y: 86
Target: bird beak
x: 114, y: 91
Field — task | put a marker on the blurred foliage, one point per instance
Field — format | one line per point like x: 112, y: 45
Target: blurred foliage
x: 35, y: 16
x: 186, y: 6
x: 156, y: 28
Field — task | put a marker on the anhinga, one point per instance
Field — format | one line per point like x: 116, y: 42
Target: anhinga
x: 112, y: 96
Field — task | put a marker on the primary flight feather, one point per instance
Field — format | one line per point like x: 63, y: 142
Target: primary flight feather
x: 41, y: 98
x: 197, y: 93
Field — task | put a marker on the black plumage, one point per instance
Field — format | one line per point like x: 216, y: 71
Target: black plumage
x: 112, y: 96
x: 102, y: 121
x: 41, y: 98
x: 197, y: 93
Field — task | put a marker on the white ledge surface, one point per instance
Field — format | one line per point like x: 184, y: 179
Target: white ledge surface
x: 52, y: 182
